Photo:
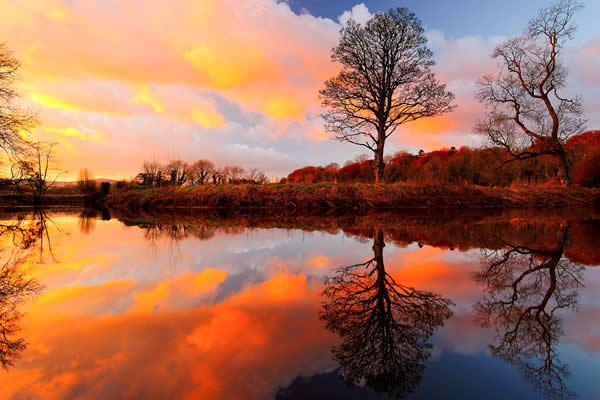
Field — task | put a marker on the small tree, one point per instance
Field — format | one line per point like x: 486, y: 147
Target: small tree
x: 151, y: 175
x: 200, y: 172
x: 86, y: 183
x: 257, y: 176
x: 176, y: 171
x: 385, y: 81
x: 528, y: 116
x: 41, y: 157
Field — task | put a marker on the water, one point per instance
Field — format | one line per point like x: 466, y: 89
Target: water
x: 418, y: 305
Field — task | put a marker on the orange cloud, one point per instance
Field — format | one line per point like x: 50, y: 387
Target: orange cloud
x: 210, y: 351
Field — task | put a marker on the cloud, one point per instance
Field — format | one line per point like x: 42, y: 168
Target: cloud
x: 359, y: 13
x: 196, y: 77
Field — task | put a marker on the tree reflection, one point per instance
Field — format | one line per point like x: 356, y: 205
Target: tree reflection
x: 525, y: 290
x: 384, y: 326
x: 18, y: 238
x: 87, y: 218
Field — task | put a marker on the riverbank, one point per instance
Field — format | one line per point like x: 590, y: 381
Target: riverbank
x: 348, y: 197
x: 25, y: 199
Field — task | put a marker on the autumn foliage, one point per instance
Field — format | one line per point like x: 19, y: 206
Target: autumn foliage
x: 484, y: 167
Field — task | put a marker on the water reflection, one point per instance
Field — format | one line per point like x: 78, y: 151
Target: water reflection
x: 238, y: 316
x: 384, y: 326
x: 17, y: 238
x: 88, y: 216
x: 526, y: 290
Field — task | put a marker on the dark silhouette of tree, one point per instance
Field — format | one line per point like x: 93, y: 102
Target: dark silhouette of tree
x: 86, y: 183
x: 385, y: 81
x: 200, y: 172
x: 528, y: 116
x: 525, y: 290
x: 37, y: 173
x: 384, y: 326
x: 151, y: 175
x: 255, y: 175
x: 177, y: 171
x: 13, y: 120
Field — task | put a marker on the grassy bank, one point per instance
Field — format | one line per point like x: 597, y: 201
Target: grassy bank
x: 346, y: 197
x: 25, y: 199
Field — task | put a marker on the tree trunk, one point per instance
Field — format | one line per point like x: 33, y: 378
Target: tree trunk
x: 565, y: 169
x: 378, y: 160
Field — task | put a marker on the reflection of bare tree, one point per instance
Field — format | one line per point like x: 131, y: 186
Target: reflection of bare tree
x: 26, y: 233
x: 18, y: 237
x: 525, y: 290
x: 87, y: 221
x: 14, y: 289
x: 87, y: 218
x: 384, y: 326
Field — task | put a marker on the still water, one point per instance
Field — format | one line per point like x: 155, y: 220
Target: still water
x: 417, y: 305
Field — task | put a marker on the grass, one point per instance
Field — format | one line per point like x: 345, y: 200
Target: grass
x: 347, y: 197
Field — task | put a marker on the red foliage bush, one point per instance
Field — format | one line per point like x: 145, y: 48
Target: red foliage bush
x: 306, y: 174
x: 590, y: 138
x: 483, y: 167
x: 587, y: 171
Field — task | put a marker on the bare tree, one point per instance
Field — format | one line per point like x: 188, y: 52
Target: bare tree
x: 255, y: 175
x: 151, y: 175
x: 200, y: 172
x: 528, y: 116
x: 235, y: 173
x: 86, y: 183
x: 385, y: 81
x: 219, y: 175
x: 41, y: 158
x: 177, y: 172
x: 13, y: 120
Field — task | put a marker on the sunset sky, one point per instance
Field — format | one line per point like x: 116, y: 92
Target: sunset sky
x: 236, y: 81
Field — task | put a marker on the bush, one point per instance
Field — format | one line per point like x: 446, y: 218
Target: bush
x: 121, y: 185
x: 587, y: 171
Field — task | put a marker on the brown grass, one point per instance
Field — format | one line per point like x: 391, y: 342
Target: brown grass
x: 345, y: 197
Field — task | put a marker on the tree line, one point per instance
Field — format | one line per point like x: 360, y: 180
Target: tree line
x: 202, y: 172
x: 386, y: 80
x: 486, y: 167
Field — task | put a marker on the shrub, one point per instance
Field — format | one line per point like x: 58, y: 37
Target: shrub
x: 587, y: 171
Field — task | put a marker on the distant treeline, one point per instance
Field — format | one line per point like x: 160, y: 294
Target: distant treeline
x: 485, y: 167
x: 201, y: 172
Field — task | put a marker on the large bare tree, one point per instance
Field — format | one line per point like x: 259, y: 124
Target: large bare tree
x: 13, y: 120
x: 385, y: 81
x: 528, y: 114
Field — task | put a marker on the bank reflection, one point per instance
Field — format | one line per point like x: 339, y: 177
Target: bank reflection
x: 526, y: 291
x: 384, y: 326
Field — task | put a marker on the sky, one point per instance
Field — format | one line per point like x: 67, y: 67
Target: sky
x: 115, y: 83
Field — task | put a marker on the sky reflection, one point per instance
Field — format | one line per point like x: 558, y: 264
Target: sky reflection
x: 215, y: 310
